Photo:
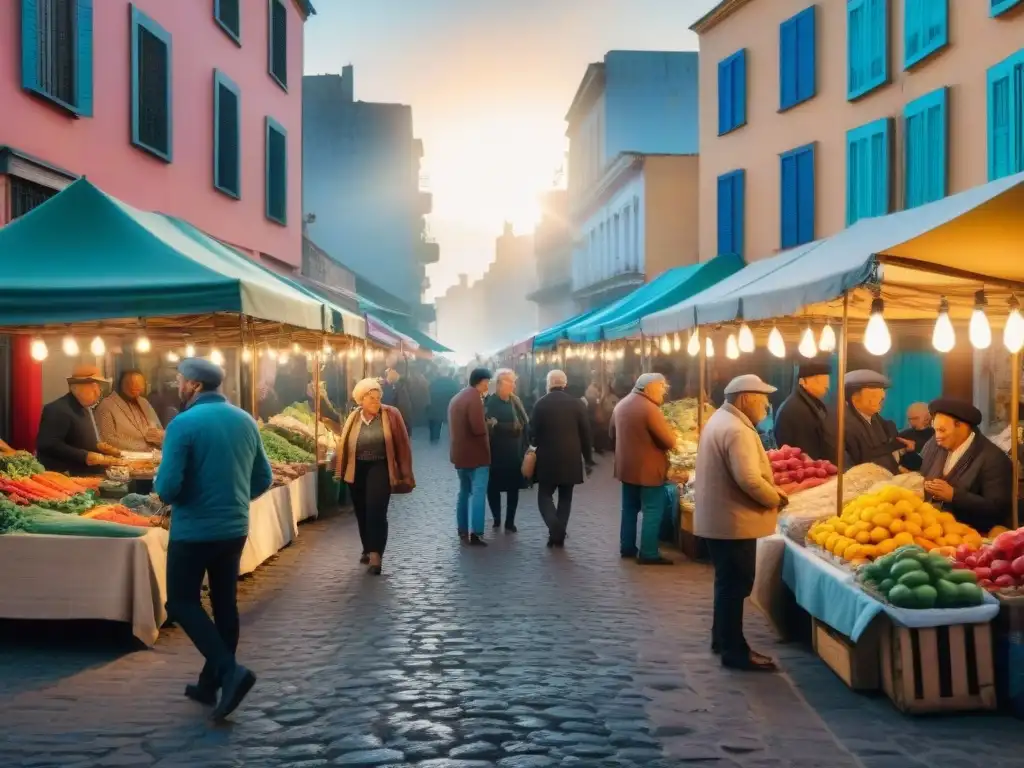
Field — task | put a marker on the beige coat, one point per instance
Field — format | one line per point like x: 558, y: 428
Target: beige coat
x: 124, y: 427
x: 734, y: 494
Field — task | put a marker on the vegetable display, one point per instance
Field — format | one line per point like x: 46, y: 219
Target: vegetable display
x: 809, y: 506
x: 999, y: 566
x: 793, y: 470
x: 298, y: 439
x: 300, y: 412
x: 911, y: 577
x: 20, y: 464
x: 279, y: 449
x: 682, y: 416
x: 32, y: 519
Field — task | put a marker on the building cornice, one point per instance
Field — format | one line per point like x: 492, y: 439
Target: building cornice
x: 590, y: 87
x: 548, y: 294
x: 716, y: 15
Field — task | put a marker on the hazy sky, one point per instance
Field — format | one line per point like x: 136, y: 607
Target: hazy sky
x: 490, y: 82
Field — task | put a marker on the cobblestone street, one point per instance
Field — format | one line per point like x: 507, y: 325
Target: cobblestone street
x: 515, y: 656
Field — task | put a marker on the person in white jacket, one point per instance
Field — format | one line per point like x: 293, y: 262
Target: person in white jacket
x: 736, y: 503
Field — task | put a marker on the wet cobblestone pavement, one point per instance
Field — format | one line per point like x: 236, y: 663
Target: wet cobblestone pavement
x: 514, y: 656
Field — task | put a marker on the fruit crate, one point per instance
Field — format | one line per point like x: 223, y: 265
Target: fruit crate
x: 856, y: 663
x: 940, y: 669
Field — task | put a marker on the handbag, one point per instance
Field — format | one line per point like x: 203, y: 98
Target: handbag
x: 529, y: 463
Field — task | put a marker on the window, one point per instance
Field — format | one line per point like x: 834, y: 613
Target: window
x: 277, y: 53
x: 797, y: 195
x: 627, y: 238
x: 730, y: 213
x: 867, y: 43
x: 56, y: 52
x: 228, y: 15
x: 868, y: 164
x: 227, y: 139
x: 277, y: 172
x: 1006, y: 117
x: 926, y: 147
x: 925, y: 29
x: 732, y: 92
x: 151, y: 86
x: 999, y: 7
x: 797, y: 59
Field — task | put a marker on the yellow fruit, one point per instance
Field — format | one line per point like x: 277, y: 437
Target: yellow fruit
x: 859, y: 561
x: 890, y: 493
x: 820, y: 538
x: 932, y: 532
x: 870, y: 551
x: 953, y: 539
x: 840, y: 527
x: 941, y: 542
x: 946, y: 517
x: 882, y: 520
x: 879, y: 534
x: 902, y: 539
x: 867, y: 514
x: 830, y: 542
x: 948, y: 528
x: 903, y: 507
x: 841, y: 546
x: 852, y: 551
x: 828, y: 527
x: 896, y: 526
x: 915, y: 518
x: 863, y: 537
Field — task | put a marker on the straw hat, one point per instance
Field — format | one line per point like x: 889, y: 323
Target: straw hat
x: 87, y: 374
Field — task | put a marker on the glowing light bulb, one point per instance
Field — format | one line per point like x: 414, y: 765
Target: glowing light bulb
x: 776, y: 344
x: 368, y: 356
x: 380, y: 354
x: 352, y: 352
x: 621, y: 354
x: 693, y: 345
x: 677, y: 343
x: 807, y: 346
x: 70, y: 346
x: 282, y: 358
x: 172, y: 357
x: 216, y: 357
x: 877, y: 340
x: 97, y: 347
x: 746, y: 340
x: 246, y: 355
x: 38, y: 350
x: 143, y: 344
x: 666, y: 345
x: 327, y: 348
x: 638, y: 350
x: 943, y: 336
x: 979, y: 331
x: 190, y: 350
x: 827, y: 340
x: 709, y: 347
x: 1013, y: 331
x: 732, y: 347
x: 296, y: 348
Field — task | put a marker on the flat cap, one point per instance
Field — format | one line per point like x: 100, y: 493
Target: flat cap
x: 865, y: 379
x: 961, y: 410
x: 806, y: 370
x: 202, y: 370
x: 748, y: 382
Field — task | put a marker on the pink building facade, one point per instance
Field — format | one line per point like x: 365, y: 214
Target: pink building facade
x: 815, y: 115
x: 188, y: 108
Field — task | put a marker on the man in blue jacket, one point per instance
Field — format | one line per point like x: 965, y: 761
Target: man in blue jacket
x: 213, y: 466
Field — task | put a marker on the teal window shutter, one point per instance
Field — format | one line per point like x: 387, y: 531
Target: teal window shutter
x: 227, y: 144
x: 30, y: 45
x: 277, y: 37
x: 926, y: 148
x: 1005, y: 84
x: 916, y: 377
x: 731, y: 212
x: 999, y: 7
x: 796, y: 171
x: 228, y: 15
x: 276, y: 172
x: 867, y: 46
x: 925, y: 29
x: 151, y: 93
x: 83, y: 58
x: 57, y: 51
x: 868, y: 170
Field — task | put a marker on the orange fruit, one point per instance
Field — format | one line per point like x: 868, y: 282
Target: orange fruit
x: 912, y: 528
x: 924, y: 543
x: 863, y: 537
x: 896, y: 526
x: 902, y: 539
x: 932, y: 532
x: 879, y: 534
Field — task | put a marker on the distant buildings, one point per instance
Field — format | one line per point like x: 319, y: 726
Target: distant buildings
x: 552, y: 250
x: 361, y: 190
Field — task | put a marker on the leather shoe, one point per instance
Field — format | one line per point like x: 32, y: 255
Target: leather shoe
x: 236, y: 686
x: 201, y: 693
x: 654, y: 561
x: 752, y: 663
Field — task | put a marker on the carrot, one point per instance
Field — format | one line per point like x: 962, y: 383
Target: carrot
x: 51, y: 484
x: 59, y: 481
x: 41, y: 490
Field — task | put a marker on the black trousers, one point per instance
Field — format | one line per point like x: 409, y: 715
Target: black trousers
x: 435, y: 430
x: 187, y: 563
x: 734, y: 561
x: 494, y: 502
x: 556, y: 518
x: 371, y: 495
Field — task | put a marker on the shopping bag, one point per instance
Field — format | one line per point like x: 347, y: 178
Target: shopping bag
x: 529, y: 463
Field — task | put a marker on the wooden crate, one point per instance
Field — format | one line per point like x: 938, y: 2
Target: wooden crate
x: 940, y: 669
x: 856, y: 663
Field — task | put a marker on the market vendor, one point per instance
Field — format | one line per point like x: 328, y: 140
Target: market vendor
x: 803, y: 420
x: 964, y: 471
x: 869, y: 438
x: 126, y: 419
x: 69, y: 440
x: 328, y: 414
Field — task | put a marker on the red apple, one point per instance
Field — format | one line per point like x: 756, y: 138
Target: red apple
x: 1006, y: 580
x: 985, y: 583
x: 986, y: 557
x: 1017, y: 566
x: 963, y: 551
x: 983, y: 573
x: 971, y: 561
x: 1001, y: 568
x: 1005, y: 542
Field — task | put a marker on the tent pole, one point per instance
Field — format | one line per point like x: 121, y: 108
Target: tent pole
x: 317, y: 360
x: 1014, y: 442
x: 701, y: 399
x: 253, y: 396
x: 841, y: 406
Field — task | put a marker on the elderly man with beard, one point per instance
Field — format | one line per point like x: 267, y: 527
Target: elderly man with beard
x: 213, y: 467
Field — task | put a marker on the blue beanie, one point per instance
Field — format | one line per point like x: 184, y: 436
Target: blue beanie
x: 201, y: 370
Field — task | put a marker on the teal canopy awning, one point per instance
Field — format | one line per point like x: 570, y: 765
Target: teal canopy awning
x: 84, y: 255
x: 403, y: 326
x: 556, y: 333
x: 621, y: 319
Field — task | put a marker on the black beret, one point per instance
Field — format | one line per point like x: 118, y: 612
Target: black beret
x: 806, y: 370
x: 961, y: 410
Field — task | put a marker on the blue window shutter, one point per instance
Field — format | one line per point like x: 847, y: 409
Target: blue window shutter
x: 150, y: 72
x: 788, y: 46
x: 925, y: 29
x: 29, y: 45
x: 916, y: 376
x: 999, y: 7
x: 732, y: 92
x: 83, y: 59
x: 724, y: 97
x: 805, y: 195
x: 806, y: 75
x: 740, y: 85
x: 725, y: 215
x: 789, y: 205
x: 276, y: 172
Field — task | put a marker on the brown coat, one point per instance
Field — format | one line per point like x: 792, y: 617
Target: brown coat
x: 396, y: 442
x: 642, y: 438
x: 471, y: 443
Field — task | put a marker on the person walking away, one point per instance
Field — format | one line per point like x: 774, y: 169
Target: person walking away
x: 736, y: 503
x: 642, y: 438
x: 396, y: 395
x: 471, y: 456
x: 560, y: 432
x: 803, y: 420
x: 213, y: 467
x: 920, y: 431
x: 442, y: 390
x: 375, y: 460
x: 507, y: 417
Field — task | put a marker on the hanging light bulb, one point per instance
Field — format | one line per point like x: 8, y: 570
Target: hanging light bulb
x: 980, y: 331
x: 216, y: 357
x: 693, y: 345
x: 143, y: 345
x: 677, y: 343
x: 246, y: 354
x: 827, y: 340
x: 296, y: 348
x: 327, y: 347
x: 807, y: 346
x: 282, y: 357
x: 943, y: 336
x: 732, y: 347
x: 38, y: 350
x: 876, y: 336
x: 709, y: 347
x: 352, y: 352
x: 1013, y: 331
x: 190, y: 350
x: 666, y: 345
x: 746, y: 340
x: 97, y: 347
x: 172, y: 357
x: 621, y: 354
x: 776, y: 344
x: 70, y: 346
x: 638, y: 349
x: 368, y: 356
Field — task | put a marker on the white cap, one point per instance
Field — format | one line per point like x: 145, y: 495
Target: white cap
x: 748, y: 382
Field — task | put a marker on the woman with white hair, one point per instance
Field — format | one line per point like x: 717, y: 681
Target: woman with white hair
x: 508, y: 423
x: 375, y: 460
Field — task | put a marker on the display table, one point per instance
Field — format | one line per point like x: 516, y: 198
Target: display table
x: 82, y: 577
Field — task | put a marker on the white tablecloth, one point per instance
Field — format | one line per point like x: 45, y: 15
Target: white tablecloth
x: 82, y: 577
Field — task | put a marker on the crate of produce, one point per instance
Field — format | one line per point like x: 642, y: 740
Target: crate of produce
x: 1009, y: 654
x: 856, y: 663
x: 939, y: 669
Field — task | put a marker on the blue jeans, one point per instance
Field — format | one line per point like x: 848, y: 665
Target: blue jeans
x: 472, y: 492
x: 651, y: 501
